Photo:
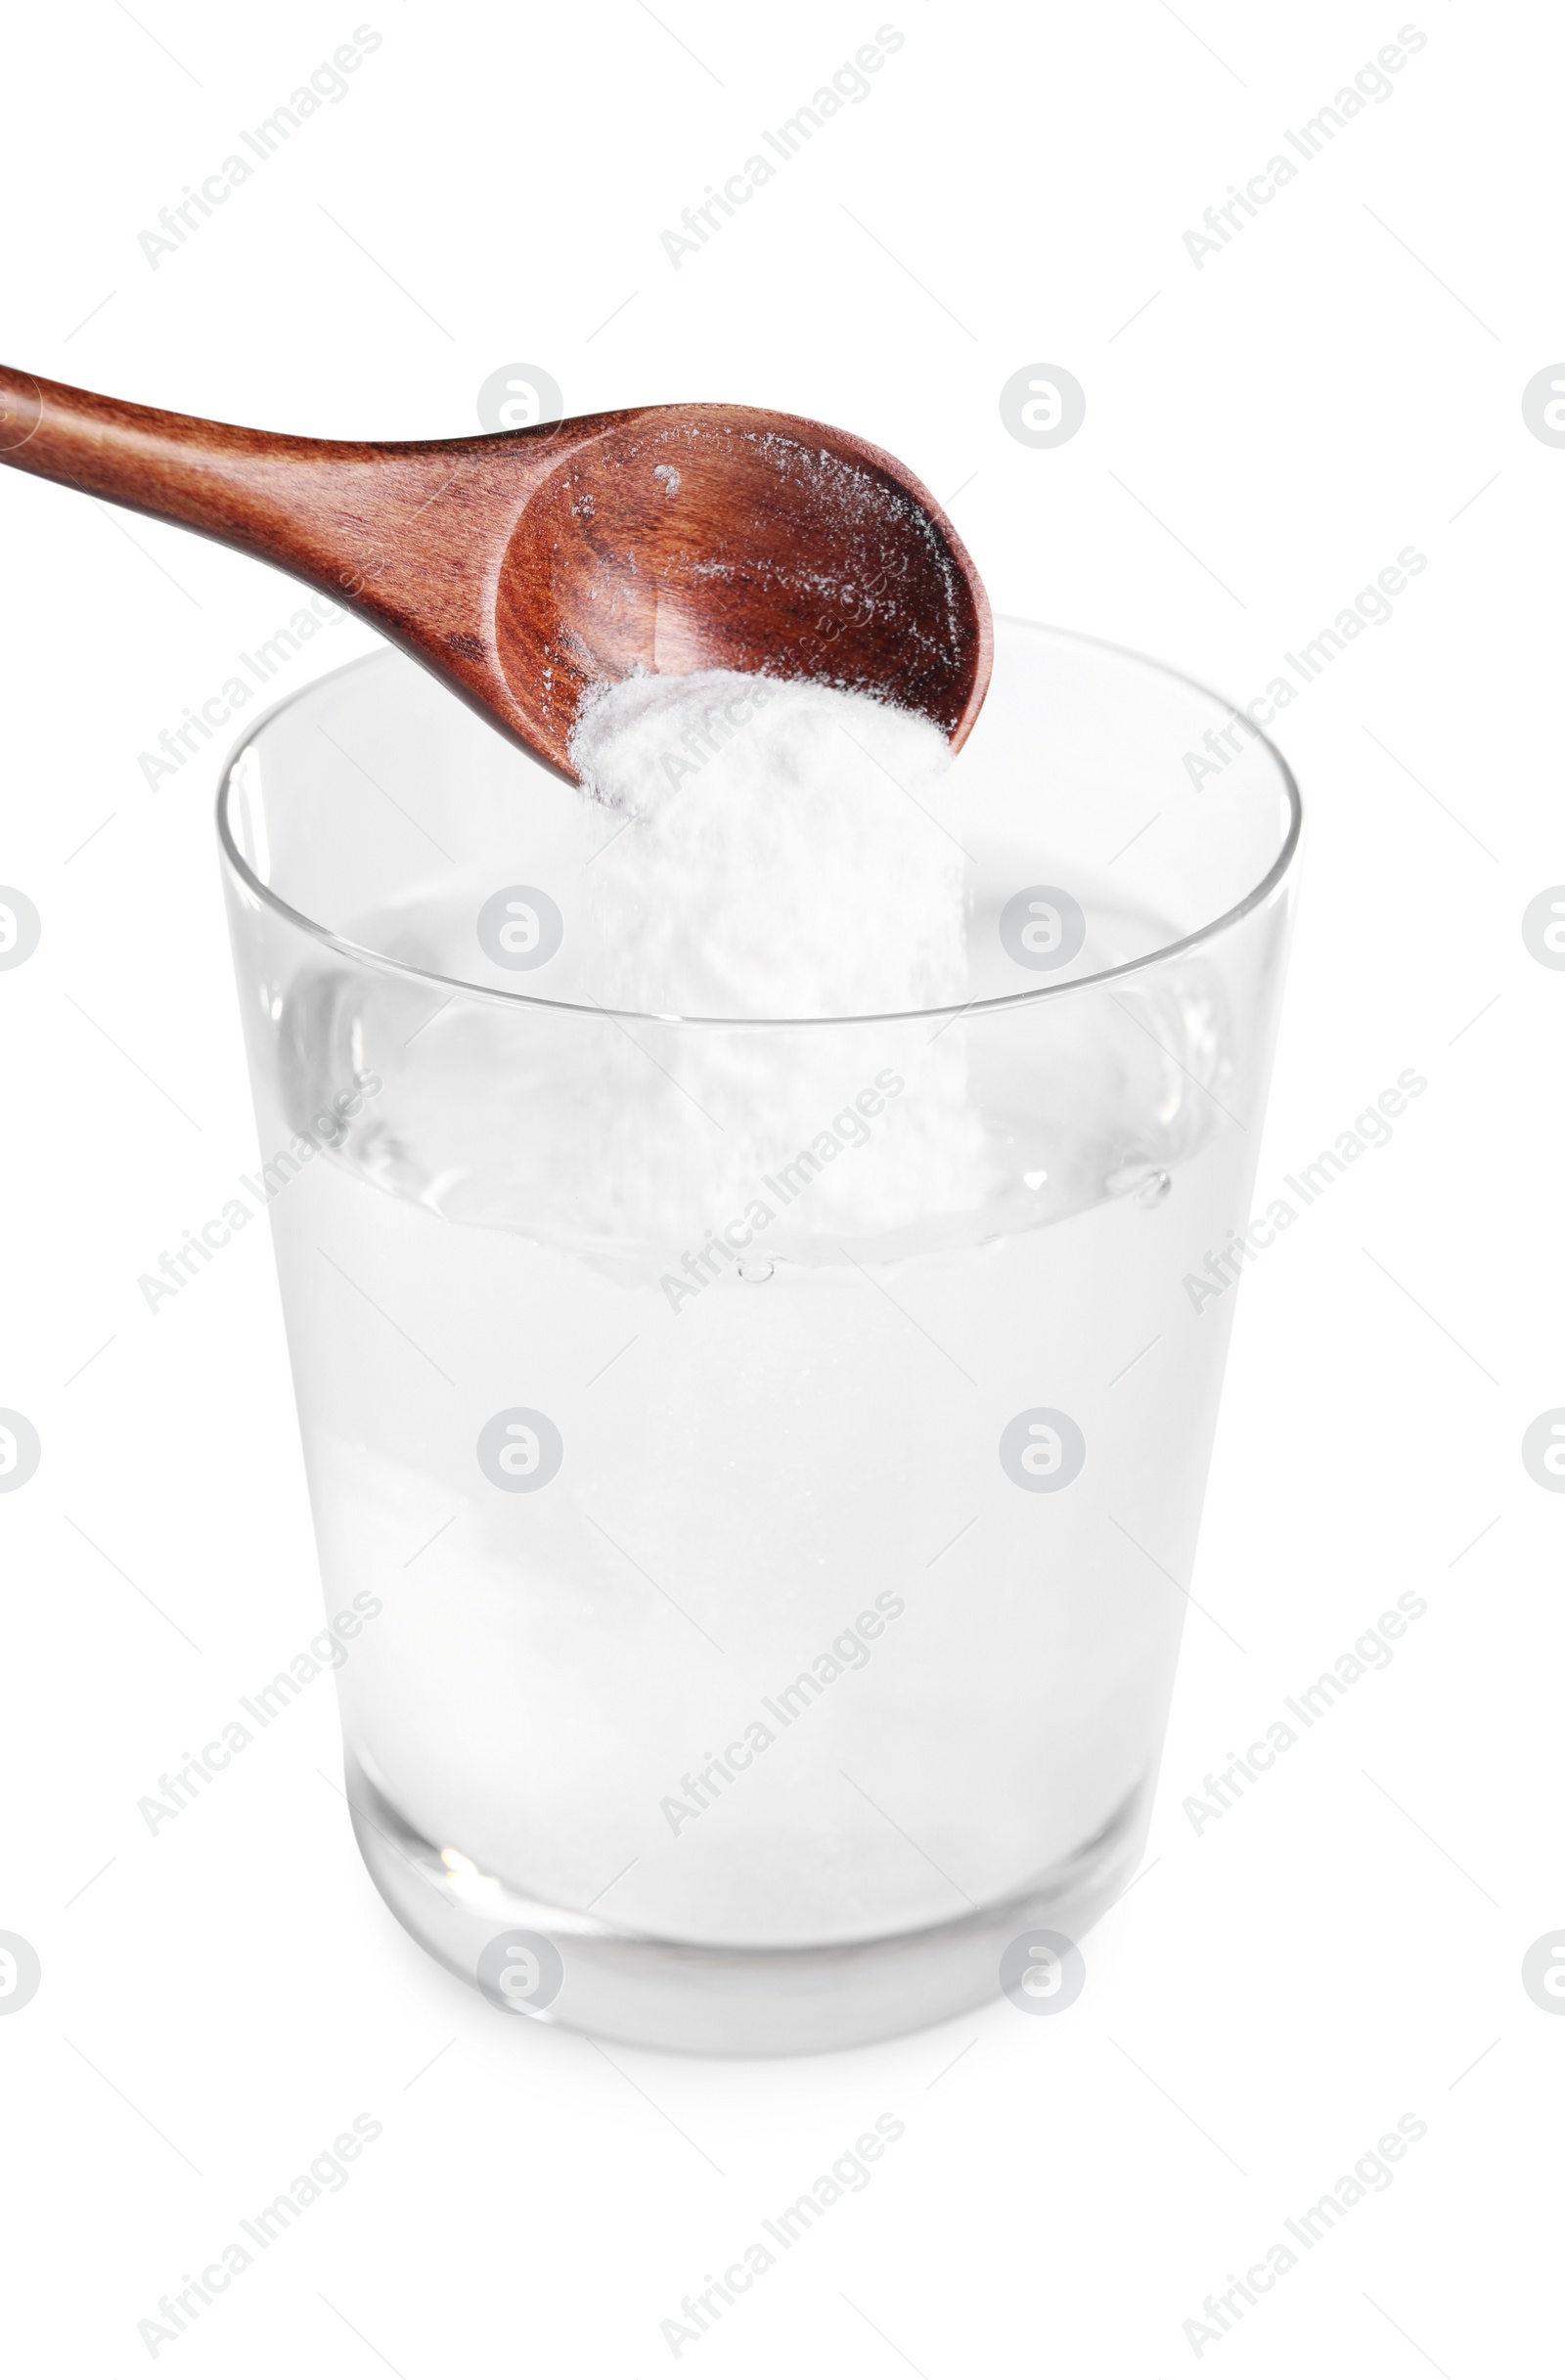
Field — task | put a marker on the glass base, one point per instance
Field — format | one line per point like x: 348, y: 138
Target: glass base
x: 712, y: 2000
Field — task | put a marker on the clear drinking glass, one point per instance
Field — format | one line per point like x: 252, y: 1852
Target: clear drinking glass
x: 756, y: 1466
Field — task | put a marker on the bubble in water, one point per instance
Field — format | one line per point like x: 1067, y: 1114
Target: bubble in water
x: 1147, y: 1184
x: 756, y: 1268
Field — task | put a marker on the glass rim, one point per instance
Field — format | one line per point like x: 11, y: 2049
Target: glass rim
x: 365, y: 955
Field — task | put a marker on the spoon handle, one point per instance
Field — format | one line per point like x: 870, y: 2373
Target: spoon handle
x: 318, y: 507
x: 407, y: 535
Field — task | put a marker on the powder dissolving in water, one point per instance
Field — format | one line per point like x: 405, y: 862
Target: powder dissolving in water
x: 780, y: 857
x: 753, y: 849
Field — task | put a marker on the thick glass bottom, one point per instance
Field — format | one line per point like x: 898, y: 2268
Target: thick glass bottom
x: 564, y: 1968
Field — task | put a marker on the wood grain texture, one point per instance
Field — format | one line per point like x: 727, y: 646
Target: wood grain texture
x: 526, y: 567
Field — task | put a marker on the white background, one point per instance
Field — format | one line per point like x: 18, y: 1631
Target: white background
x: 1262, y: 436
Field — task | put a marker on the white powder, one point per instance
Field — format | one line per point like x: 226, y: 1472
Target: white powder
x: 782, y: 854
x: 755, y: 850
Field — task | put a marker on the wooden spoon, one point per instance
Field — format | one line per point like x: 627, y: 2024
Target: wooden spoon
x: 526, y: 567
